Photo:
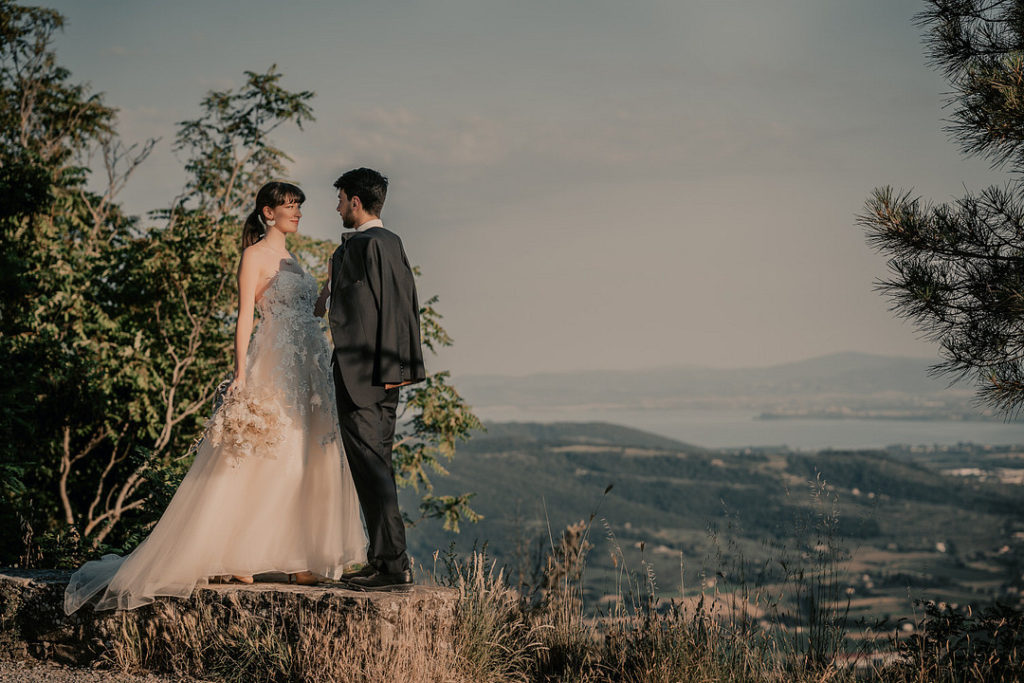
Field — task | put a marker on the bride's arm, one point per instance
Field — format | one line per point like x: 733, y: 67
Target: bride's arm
x: 248, y: 277
x: 321, y: 303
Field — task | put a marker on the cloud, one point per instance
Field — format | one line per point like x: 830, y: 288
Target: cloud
x: 400, y: 134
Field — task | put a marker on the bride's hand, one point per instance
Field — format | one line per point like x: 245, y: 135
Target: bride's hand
x: 237, y: 384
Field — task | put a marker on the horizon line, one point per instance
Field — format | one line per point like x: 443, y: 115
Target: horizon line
x: 652, y: 368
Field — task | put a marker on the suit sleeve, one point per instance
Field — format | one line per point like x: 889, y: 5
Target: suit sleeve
x: 334, y: 266
x: 398, y: 357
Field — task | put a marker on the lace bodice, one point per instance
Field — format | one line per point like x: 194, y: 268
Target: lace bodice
x: 292, y: 292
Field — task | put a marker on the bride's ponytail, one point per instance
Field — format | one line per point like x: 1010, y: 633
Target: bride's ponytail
x: 253, y: 230
x: 273, y: 194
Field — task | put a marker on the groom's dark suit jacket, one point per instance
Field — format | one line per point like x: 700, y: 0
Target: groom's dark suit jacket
x: 374, y: 315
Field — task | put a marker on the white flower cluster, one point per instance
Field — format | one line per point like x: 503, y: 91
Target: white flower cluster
x: 248, y: 425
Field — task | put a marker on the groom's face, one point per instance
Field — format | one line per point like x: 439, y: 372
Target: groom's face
x: 346, y: 209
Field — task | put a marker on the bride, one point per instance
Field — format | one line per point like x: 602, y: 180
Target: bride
x: 267, y: 490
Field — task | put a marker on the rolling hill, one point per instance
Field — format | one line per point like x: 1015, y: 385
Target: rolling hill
x: 910, y: 521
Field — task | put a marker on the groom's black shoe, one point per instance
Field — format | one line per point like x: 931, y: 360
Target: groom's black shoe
x: 366, y: 570
x: 378, y: 581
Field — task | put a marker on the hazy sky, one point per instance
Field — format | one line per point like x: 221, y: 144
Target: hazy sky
x: 585, y: 183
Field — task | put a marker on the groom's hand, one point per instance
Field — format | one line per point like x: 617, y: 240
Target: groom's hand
x: 395, y: 386
x: 320, y: 307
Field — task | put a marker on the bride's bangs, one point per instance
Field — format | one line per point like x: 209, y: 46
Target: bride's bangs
x: 285, y: 193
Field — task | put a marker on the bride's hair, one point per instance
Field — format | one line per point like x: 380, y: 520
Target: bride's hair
x: 273, y: 194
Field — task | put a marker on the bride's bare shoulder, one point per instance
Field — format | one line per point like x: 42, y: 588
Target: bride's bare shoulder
x: 254, y: 252
x: 255, y: 262
x: 257, y: 254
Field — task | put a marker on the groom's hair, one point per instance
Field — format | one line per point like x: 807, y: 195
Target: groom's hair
x: 370, y: 186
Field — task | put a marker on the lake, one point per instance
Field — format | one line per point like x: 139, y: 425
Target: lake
x: 737, y: 429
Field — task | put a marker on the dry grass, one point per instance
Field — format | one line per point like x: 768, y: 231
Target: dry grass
x: 369, y: 650
x: 741, y: 633
x: 494, y: 638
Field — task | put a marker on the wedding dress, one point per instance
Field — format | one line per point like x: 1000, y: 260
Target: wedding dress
x: 269, y: 489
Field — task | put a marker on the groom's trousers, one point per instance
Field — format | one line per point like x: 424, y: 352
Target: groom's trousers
x: 368, y: 434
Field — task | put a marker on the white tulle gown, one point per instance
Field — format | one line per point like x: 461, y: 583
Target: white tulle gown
x: 269, y: 489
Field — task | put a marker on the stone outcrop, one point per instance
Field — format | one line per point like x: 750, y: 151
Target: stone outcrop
x: 166, y: 634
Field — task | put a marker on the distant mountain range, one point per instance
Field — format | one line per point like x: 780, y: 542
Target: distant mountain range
x: 845, y: 373
x: 836, y: 385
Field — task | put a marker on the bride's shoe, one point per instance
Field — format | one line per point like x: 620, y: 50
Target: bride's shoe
x: 304, y: 579
x: 230, y: 578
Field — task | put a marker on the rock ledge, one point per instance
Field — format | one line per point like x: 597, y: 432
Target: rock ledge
x: 33, y: 623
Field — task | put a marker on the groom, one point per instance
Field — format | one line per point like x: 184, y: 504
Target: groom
x: 374, y: 317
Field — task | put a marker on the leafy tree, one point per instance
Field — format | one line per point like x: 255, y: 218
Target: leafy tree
x: 957, y: 269
x: 440, y: 419
x: 61, y: 242
x: 114, y: 333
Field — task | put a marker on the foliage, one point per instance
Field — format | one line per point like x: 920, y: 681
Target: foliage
x: 956, y: 270
x: 440, y: 419
x: 57, y: 335
x: 114, y: 331
x: 230, y: 154
x: 962, y: 645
